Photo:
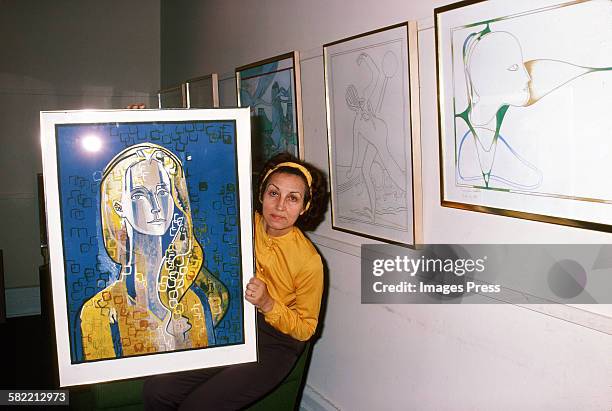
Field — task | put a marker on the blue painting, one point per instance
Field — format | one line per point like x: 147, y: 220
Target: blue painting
x: 269, y: 90
x: 151, y: 237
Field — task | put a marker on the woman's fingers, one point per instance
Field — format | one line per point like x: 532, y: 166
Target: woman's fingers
x: 136, y: 106
x: 252, y: 288
x: 256, y: 281
x: 255, y: 284
x: 256, y: 292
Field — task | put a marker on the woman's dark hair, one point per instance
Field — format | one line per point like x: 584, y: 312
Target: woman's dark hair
x: 318, y: 202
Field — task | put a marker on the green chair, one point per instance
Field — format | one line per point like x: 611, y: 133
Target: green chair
x: 110, y: 396
x: 127, y: 395
x: 119, y: 395
x: 287, y: 395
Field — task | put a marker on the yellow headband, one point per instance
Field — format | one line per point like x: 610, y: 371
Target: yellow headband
x: 297, y: 166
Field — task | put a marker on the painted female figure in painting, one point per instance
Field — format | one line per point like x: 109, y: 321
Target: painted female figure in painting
x: 164, y: 299
x: 370, y: 132
x: 282, y: 134
x: 497, y: 78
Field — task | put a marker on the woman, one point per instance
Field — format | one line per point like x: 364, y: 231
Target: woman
x: 163, y: 299
x: 286, y: 290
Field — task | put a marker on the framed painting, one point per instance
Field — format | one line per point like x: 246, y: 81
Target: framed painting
x: 372, y: 99
x: 150, y: 240
x: 272, y: 90
x: 524, y: 90
x: 173, y: 97
x: 203, y: 92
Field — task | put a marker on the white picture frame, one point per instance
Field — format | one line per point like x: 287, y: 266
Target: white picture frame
x: 75, y: 144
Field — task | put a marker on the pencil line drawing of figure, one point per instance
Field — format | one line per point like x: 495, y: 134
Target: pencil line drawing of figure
x: 497, y: 78
x: 164, y: 299
x: 372, y: 160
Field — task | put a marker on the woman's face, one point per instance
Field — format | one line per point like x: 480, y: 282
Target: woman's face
x: 497, y: 70
x: 146, y: 201
x: 283, y: 202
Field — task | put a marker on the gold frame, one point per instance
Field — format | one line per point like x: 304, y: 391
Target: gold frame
x: 172, y: 89
x: 558, y: 220
x: 214, y: 79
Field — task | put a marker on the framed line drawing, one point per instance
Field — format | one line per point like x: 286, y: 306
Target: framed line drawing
x: 524, y: 111
x: 372, y: 99
x: 173, y: 97
x: 203, y: 92
x: 150, y: 240
x: 272, y: 89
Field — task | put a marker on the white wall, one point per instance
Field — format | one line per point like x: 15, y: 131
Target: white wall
x: 56, y: 55
x: 414, y: 356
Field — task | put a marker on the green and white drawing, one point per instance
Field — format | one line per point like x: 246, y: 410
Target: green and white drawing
x: 525, y: 91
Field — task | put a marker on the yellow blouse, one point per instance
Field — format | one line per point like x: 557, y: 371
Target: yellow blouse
x: 293, y: 272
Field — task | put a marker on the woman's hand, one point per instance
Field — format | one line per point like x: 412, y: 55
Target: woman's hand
x: 136, y: 106
x: 257, y: 294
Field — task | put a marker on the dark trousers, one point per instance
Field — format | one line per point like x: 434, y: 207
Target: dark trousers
x: 227, y: 388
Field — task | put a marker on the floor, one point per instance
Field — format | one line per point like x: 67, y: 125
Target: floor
x: 28, y: 354
x: 27, y: 344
